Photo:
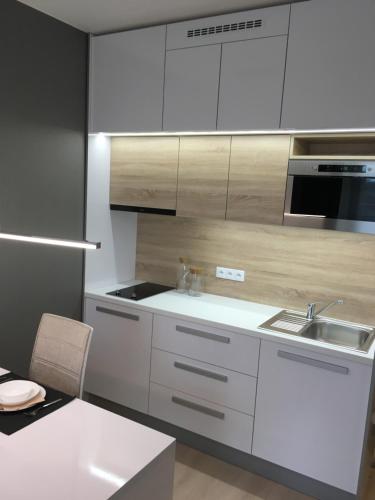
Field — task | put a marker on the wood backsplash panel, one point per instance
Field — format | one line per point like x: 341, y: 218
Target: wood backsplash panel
x: 285, y: 266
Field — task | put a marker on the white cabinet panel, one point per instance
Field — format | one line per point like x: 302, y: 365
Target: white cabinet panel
x: 205, y: 343
x: 310, y: 413
x: 330, y: 68
x: 127, y: 79
x: 205, y: 381
x: 256, y: 23
x: 213, y: 421
x: 118, y: 365
x: 251, y: 84
x: 191, y: 88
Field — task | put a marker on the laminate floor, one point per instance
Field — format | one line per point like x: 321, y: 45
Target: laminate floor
x: 370, y: 486
x: 201, y: 477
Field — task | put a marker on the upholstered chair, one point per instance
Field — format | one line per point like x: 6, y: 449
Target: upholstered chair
x: 60, y: 353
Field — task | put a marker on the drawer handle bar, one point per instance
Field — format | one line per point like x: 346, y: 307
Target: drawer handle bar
x: 205, y: 335
x: 121, y: 314
x: 200, y: 371
x: 313, y: 362
x: 196, y: 407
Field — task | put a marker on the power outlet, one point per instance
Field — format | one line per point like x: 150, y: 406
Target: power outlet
x: 227, y: 273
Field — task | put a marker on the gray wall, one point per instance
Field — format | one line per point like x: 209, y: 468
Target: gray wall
x: 42, y: 172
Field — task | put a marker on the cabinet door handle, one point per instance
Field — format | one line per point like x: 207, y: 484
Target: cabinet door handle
x: 121, y: 314
x: 313, y: 362
x: 205, y: 335
x: 201, y: 371
x: 197, y: 407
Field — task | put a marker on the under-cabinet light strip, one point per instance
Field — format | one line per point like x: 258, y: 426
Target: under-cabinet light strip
x: 86, y: 245
x: 240, y: 132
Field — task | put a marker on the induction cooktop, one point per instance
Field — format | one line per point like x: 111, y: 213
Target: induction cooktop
x: 141, y: 291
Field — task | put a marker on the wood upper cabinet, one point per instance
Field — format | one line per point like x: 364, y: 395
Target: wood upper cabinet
x: 251, y: 84
x: 203, y: 176
x: 239, y: 178
x: 257, y: 178
x: 144, y: 172
x: 330, y: 70
x: 191, y: 87
x: 127, y: 78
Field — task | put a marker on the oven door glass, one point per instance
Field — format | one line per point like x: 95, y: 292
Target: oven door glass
x: 345, y: 198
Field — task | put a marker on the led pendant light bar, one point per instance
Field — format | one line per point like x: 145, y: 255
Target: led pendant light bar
x: 86, y: 245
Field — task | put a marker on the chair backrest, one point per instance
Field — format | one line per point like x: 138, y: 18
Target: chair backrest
x: 60, y: 353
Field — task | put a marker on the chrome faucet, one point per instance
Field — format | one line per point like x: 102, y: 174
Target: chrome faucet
x: 311, y: 308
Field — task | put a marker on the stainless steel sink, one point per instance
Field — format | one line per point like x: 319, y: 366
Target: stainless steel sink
x: 355, y: 337
x: 341, y: 333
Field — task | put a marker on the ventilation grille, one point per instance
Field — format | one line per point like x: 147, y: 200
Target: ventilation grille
x: 225, y: 28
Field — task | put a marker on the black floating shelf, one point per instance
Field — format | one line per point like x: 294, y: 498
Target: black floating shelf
x: 143, y: 210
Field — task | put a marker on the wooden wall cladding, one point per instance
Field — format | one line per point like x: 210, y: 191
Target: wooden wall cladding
x: 285, y: 266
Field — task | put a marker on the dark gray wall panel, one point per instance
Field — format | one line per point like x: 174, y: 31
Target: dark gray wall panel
x: 42, y: 172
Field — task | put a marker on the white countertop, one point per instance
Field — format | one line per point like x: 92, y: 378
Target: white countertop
x: 237, y: 315
x: 77, y: 452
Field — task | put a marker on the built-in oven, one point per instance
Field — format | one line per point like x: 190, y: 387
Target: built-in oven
x: 331, y: 194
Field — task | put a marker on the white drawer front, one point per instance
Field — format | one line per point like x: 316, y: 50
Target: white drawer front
x: 212, y: 345
x: 213, y: 421
x: 218, y: 385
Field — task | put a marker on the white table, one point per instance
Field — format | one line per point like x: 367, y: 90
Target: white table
x: 82, y: 452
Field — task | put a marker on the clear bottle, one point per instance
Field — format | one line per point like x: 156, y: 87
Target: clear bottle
x: 196, y: 281
x: 182, y: 283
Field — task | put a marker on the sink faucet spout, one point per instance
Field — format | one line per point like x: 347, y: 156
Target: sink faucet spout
x: 312, y: 312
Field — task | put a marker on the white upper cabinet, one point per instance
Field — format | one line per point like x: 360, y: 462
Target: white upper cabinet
x: 127, y: 78
x: 330, y: 69
x: 240, y: 71
x: 243, y: 53
x: 191, y: 87
x: 251, y: 84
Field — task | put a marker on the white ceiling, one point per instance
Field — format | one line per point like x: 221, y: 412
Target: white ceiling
x: 98, y: 16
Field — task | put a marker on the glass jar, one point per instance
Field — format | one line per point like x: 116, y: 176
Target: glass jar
x: 196, y: 281
x: 182, y: 283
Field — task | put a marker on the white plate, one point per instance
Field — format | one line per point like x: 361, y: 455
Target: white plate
x: 25, y: 406
x: 17, y: 392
